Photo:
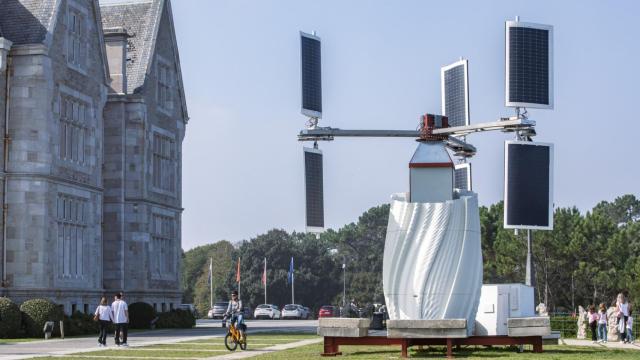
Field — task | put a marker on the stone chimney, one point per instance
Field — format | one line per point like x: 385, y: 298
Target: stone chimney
x: 116, y: 43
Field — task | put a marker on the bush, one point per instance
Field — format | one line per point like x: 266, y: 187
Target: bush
x: 80, y: 324
x: 10, y: 318
x: 36, y: 312
x: 140, y: 315
x: 176, y: 319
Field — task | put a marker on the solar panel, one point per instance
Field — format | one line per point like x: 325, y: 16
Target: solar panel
x: 311, y: 71
x: 314, y: 190
x: 454, y: 82
x: 528, y: 188
x: 462, y: 177
x: 529, y: 65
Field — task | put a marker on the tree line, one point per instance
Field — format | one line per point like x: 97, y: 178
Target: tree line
x: 587, y: 259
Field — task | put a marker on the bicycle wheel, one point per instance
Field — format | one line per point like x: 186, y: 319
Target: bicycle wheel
x: 229, y: 343
x: 243, y: 343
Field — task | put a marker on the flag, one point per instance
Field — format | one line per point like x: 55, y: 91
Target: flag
x: 238, y: 272
x: 264, y: 273
x: 344, y: 265
x: 210, y: 278
x: 290, y: 273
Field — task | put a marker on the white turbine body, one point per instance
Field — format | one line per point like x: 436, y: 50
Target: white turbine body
x: 432, y: 266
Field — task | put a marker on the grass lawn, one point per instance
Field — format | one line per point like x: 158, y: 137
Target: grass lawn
x: 193, y: 349
x: 559, y: 352
x: 19, y: 340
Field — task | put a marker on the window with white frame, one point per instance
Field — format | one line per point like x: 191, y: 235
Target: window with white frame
x: 76, y: 44
x: 74, y: 116
x: 164, y: 167
x: 165, y: 82
x: 163, y: 233
x: 71, y: 214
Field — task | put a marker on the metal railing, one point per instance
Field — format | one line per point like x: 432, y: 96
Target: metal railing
x: 567, y: 325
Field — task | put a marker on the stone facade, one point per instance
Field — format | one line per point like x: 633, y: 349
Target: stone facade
x: 83, y: 217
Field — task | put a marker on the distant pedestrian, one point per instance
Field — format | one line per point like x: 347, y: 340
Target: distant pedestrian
x: 120, y: 319
x: 630, y: 339
x: 593, y: 322
x: 104, y: 316
x: 622, y: 307
x: 602, y: 324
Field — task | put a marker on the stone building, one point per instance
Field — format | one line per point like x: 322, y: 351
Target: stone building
x: 93, y: 115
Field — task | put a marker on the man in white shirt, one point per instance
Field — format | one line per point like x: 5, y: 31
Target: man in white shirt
x: 120, y: 319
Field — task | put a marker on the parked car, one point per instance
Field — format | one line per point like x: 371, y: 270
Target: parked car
x: 306, y: 313
x: 248, y: 314
x: 218, y: 310
x: 267, y: 311
x: 328, y: 311
x: 189, y: 307
x: 292, y: 311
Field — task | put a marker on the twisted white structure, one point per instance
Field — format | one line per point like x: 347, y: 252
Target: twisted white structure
x: 432, y: 267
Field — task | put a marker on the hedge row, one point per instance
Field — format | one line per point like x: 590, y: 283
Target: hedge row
x: 29, y: 318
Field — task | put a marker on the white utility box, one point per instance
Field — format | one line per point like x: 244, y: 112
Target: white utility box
x: 431, y: 173
x: 499, y: 302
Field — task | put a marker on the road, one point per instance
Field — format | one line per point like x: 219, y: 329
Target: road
x: 203, y: 329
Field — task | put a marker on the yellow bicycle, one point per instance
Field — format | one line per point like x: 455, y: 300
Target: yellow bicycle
x: 234, y: 338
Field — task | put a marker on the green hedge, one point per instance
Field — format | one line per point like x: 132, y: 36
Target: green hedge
x: 80, y: 324
x: 36, y: 312
x: 176, y: 319
x: 10, y: 319
x: 140, y: 315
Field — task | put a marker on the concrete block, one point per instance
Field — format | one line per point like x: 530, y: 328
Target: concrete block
x: 534, y: 321
x: 444, y: 328
x: 529, y: 331
x: 343, y: 331
x: 344, y: 323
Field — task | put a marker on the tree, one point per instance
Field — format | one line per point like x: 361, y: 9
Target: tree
x: 622, y: 210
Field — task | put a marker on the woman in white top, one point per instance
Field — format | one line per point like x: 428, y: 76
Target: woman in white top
x: 104, y: 316
x: 622, y: 307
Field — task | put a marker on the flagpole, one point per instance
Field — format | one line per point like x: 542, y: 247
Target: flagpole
x: 265, y: 280
x: 239, y: 279
x: 292, y: 286
x: 211, y: 282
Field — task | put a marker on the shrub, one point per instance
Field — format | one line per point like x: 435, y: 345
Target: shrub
x: 10, y: 318
x: 80, y: 324
x: 176, y: 319
x: 36, y: 312
x: 140, y: 315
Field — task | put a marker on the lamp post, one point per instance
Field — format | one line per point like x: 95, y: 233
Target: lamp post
x: 344, y: 283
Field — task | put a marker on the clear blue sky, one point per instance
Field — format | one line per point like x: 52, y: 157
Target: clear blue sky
x: 243, y: 170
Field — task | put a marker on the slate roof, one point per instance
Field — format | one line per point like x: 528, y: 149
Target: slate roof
x: 26, y: 21
x: 140, y: 19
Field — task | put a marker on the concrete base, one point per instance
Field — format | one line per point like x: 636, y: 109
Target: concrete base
x: 425, y: 329
x: 343, y: 327
x: 529, y: 326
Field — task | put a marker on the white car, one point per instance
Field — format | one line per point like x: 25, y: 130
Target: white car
x: 267, y: 311
x: 295, y: 311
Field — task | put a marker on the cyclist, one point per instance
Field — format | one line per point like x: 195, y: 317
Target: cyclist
x: 235, y: 311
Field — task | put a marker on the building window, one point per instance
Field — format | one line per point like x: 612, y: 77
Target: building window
x: 164, y: 169
x: 163, y: 235
x: 72, y: 230
x: 76, y: 45
x: 73, y: 129
x: 165, y: 81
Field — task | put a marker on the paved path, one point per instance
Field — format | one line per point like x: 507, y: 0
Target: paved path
x: 252, y: 353
x: 204, y: 329
x: 610, y: 345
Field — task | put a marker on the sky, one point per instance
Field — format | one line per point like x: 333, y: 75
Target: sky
x: 242, y: 163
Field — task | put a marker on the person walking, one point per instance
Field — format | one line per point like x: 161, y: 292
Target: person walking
x: 630, y: 339
x: 104, y: 316
x: 622, y: 307
x: 602, y: 324
x: 593, y: 322
x: 120, y: 319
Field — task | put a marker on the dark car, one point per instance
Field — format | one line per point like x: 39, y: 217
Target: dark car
x: 328, y: 311
x: 248, y: 314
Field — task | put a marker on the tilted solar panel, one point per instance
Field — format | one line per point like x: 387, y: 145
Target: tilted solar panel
x: 311, y: 71
x: 529, y: 65
x: 314, y: 189
x: 455, y: 93
x: 528, y: 187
